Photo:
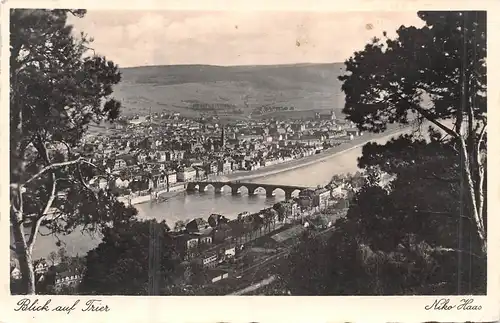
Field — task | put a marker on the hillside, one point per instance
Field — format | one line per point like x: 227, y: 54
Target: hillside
x: 237, y: 90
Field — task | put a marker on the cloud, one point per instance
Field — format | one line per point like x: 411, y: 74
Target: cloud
x: 133, y: 38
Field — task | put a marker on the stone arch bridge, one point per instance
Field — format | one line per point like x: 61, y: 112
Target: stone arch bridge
x: 251, y: 187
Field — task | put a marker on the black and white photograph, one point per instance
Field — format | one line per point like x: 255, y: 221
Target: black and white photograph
x: 248, y: 153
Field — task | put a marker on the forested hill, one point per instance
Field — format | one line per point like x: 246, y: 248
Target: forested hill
x: 193, y: 88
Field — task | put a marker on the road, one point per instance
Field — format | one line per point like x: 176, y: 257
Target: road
x: 256, y: 286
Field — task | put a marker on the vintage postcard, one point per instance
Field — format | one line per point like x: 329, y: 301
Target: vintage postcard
x: 236, y: 149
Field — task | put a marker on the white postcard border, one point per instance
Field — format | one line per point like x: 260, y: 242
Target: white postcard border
x: 270, y: 308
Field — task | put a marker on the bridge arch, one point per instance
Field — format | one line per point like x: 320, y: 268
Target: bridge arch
x: 253, y: 188
x: 239, y: 189
x: 192, y: 187
x: 288, y: 191
x: 225, y: 187
x: 274, y: 190
x: 205, y: 187
x: 292, y: 192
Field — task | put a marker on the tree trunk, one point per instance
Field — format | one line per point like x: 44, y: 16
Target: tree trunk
x: 25, y: 258
x: 28, y: 271
x: 472, y: 196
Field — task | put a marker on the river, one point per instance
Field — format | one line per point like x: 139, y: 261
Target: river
x: 188, y: 206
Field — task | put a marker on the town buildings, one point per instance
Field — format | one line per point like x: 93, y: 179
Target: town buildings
x: 163, y: 152
x: 55, y: 277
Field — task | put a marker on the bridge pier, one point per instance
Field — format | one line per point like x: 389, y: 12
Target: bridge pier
x: 236, y: 186
x: 191, y: 187
x: 251, y: 189
x: 235, y: 190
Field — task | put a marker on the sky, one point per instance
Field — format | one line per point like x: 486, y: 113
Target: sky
x: 139, y: 38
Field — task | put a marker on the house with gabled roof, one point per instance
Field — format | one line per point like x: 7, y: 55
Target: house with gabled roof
x: 67, y: 279
x: 186, y: 174
x: 40, y: 266
x: 197, y: 225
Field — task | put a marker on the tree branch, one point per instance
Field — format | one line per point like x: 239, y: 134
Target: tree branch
x: 17, y: 230
x: 450, y: 214
x: 38, y: 221
x: 424, y: 113
x: 41, y: 216
x: 443, y: 249
x: 429, y: 117
x: 480, y: 139
x: 448, y: 180
x: 471, y: 119
x: 95, y: 166
x: 480, y: 193
x: 471, y: 193
x: 480, y: 165
x: 51, y: 167
x: 87, y: 187
x: 24, y: 144
x: 42, y: 150
x: 68, y: 148
x: 18, y: 211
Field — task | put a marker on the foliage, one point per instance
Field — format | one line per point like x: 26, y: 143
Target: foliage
x: 423, y: 198
x: 195, y: 274
x: 53, y: 258
x: 424, y: 232
x: 283, y: 209
x: 179, y: 225
x: 399, y: 239
x: 355, y: 180
x: 215, y: 220
x: 434, y: 73
x: 136, y: 258
x: 301, y: 275
x: 58, y: 86
x: 419, y: 72
x: 75, y: 265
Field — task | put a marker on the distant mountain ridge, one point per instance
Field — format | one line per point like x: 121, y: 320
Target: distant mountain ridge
x: 178, y: 88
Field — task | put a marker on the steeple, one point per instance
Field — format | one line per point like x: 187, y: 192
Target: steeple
x: 223, y: 138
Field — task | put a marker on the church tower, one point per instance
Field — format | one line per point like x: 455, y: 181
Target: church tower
x: 223, y: 138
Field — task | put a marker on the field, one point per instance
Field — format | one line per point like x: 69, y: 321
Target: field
x: 230, y: 90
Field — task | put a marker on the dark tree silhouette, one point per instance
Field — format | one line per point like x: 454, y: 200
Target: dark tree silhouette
x: 424, y: 232
x: 402, y: 238
x: 432, y: 73
x: 136, y: 258
x: 57, y: 87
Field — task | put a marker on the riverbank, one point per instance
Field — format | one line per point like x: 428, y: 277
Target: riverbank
x: 174, y: 191
x: 357, y: 142
x: 162, y: 195
x: 309, y: 160
x: 180, y: 206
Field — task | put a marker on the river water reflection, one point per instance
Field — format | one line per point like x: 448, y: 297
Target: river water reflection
x: 187, y: 206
